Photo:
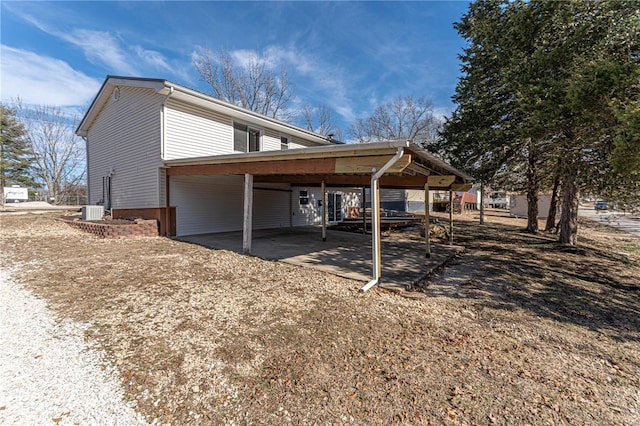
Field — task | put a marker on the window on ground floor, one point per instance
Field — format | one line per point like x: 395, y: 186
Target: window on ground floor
x: 304, y: 198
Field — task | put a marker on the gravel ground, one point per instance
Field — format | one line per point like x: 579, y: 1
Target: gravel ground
x: 48, y: 374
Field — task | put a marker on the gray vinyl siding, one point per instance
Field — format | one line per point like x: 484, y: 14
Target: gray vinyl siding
x: 125, y: 138
x: 390, y: 195
x: 311, y: 214
x: 210, y: 204
x: 393, y: 199
x: 192, y: 131
x: 195, y: 132
x: 270, y: 208
x: 270, y: 140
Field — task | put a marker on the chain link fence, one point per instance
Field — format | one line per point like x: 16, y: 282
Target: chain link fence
x: 65, y: 200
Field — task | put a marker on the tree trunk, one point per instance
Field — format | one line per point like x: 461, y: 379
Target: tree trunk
x: 481, y: 203
x: 532, y: 190
x: 532, y: 211
x: 553, y: 206
x: 569, y: 214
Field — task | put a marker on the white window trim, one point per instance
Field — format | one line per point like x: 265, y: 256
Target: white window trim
x: 249, y: 127
x: 288, y: 141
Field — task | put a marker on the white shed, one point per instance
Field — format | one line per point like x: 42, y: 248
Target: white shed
x: 518, y: 205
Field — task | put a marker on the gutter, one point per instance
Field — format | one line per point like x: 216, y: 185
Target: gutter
x: 375, y: 219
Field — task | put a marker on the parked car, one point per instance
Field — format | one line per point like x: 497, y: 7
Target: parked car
x: 601, y: 205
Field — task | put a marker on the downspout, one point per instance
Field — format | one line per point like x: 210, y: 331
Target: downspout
x: 163, y: 130
x: 86, y: 150
x: 164, y: 124
x: 375, y: 218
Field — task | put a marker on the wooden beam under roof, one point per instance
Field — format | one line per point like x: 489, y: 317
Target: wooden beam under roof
x: 278, y: 167
x: 367, y: 164
x: 387, y: 181
x: 441, y: 181
x: 461, y: 187
x: 348, y: 165
x: 317, y: 152
x: 419, y: 169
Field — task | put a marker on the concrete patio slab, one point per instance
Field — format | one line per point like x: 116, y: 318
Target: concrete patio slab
x: 346, y: 254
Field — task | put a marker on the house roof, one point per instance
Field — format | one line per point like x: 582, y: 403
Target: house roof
x: 337, y: 165
x: 182, y: 93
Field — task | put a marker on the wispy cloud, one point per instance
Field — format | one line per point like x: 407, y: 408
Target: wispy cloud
x: 153, y: 58
x: 44, y: 80
x: 107, y: 49
x: 102, y: 48
x: 325, y: 81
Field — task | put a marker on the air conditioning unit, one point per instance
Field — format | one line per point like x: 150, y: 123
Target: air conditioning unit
x: 92, y: 212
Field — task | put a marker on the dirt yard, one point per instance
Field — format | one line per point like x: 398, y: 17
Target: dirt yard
x: 517, y: 330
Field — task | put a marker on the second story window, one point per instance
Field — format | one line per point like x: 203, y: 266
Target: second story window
x: 284, y: 142
x: 245, y: 139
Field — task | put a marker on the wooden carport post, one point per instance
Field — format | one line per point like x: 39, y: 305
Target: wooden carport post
x: 323, y: 189
x: 375, y: 225
x: 427, y: 222
x: 450, y: 216
x: 167, y: 206
x: 247, y: 224
x: 364, y: 209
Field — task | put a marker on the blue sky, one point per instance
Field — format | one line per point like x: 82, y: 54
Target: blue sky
x: 350, y: 56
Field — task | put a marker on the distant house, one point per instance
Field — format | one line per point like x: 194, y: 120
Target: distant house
x: 159, y: 150
x: 518, y: 205
x: 497, y: 199
x: 412, y: 200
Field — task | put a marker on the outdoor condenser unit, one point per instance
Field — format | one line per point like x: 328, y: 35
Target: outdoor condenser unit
x: 92, y: 212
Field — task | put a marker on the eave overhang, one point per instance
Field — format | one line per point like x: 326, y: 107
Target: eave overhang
x: 336, y: 165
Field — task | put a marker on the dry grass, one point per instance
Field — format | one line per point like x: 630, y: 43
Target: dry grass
x: 517, y: 330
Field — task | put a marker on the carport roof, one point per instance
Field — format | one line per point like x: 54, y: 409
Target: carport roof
x: 336, y: 165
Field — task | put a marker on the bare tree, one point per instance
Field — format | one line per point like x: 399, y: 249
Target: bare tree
x: 58, y: 154
x: 402, y: 118
x: 253, y: 85
x: 320, y: 120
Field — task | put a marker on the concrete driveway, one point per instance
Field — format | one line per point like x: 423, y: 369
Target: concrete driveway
x: 617, y: 219
x: 346, y: 254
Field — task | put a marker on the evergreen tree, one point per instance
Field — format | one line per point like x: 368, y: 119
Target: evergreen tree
x: 15, y: 159
x: 547, y: 97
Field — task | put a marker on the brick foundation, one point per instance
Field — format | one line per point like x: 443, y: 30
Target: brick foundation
x: 141, y: 228
x: 158, y: 214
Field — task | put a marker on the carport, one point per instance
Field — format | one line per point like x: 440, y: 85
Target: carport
x: 394, y: 164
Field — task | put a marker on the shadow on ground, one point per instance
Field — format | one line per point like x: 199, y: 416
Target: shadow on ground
x: 508, y: 269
